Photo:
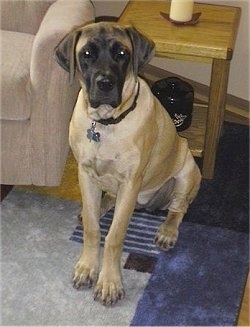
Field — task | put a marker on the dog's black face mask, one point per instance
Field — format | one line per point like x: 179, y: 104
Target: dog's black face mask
x: 104, y: 54
x: 104, y: 62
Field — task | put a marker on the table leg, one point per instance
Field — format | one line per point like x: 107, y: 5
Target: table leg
x: 215, y: 115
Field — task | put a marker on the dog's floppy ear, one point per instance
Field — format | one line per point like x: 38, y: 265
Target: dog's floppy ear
x: 143, y: 48
x: 65, y: 53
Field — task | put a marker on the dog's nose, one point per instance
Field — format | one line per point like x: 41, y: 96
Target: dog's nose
x: 105, y: 83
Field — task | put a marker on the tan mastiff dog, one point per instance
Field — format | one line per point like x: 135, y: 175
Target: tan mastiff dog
x: 126, y: 146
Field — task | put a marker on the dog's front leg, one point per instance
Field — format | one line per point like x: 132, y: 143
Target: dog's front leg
x: 86, y: 269
x: 109, y: 286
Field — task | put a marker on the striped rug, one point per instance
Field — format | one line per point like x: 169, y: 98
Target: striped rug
x: 140, y: 234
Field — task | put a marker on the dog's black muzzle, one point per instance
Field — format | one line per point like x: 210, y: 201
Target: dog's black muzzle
x: 105, y: 90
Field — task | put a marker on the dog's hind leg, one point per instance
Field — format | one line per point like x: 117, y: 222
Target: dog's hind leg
x: 187, y: 183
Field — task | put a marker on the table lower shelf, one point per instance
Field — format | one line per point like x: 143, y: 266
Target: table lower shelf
x: 195, y: 134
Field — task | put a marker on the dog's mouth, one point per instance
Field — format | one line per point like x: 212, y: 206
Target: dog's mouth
x: 103, y: 105
x: 102, y: 108
x: 103, y: 111
x: 105, y: 101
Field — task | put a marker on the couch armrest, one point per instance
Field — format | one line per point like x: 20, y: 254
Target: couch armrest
x: 52, y: 97
x: 61, y: 17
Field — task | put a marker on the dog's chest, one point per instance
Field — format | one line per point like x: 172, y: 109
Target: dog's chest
x: 109, y: 162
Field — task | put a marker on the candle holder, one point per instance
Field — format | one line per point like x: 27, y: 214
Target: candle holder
x: 193, y: 21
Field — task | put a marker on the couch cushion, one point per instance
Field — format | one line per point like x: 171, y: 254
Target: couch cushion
x: 15, y: 71
x: 23, y: 15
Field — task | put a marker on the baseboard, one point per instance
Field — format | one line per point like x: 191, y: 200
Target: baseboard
x: 5, y: 190
x: 237, y: 110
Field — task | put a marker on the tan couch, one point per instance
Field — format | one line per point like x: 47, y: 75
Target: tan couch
x: 36, y: 99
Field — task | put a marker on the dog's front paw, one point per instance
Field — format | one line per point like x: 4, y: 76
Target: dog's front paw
x: 84, y: 275
x: 166, y: 236
x: 108, y: 291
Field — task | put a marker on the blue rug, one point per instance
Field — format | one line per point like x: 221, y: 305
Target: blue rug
x: 198, y: 283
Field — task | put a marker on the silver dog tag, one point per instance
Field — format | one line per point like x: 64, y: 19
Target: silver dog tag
x: 92, y: 134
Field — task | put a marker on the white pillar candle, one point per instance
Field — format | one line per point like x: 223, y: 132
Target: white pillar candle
x: 181, y: 10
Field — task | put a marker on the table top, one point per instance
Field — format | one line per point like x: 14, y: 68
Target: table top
x: 212, y: 37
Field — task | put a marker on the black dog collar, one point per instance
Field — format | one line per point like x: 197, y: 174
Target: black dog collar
x: 112, y: 121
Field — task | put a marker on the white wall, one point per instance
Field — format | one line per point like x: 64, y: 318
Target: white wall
x: 109, y: 7
x: 239, y: 69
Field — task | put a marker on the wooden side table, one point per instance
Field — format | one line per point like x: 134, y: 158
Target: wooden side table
x: 210, y: 41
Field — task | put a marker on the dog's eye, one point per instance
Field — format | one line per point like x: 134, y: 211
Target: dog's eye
x: 118, y: 51
x: 121, y: 53
x: 86, y: 54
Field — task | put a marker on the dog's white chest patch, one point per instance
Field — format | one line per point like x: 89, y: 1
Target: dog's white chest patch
x: 105, y: 173
x: 109, y: 162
